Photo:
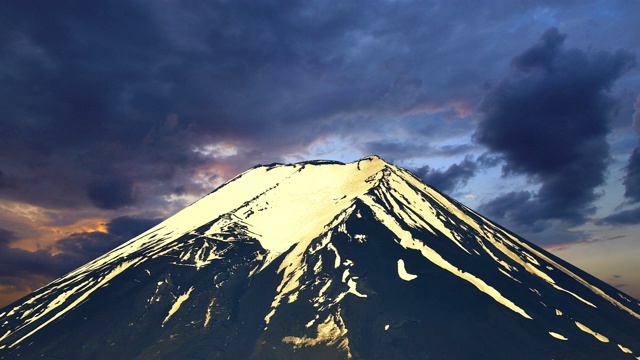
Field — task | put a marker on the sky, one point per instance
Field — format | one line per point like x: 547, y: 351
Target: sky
x: 117, y: 114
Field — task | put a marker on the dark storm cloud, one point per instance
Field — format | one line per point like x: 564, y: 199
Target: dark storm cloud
x: 549, y: 120
x: 65, y: 65
x: 22, y: 270
x: 70, y: 71
x: 133, y: 87
x: 111, y: 192
x: 453, y: 177
x: 542, y: 55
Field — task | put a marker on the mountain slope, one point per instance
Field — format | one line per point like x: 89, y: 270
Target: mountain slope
x: 325, y: 260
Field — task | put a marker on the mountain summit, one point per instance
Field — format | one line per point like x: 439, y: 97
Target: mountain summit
x: 324, y: 260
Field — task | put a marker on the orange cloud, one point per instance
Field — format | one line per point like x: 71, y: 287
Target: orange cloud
x: 35, y: 226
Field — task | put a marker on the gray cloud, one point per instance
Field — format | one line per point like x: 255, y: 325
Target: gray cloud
x: 631, y: 183
x: 625, y: 217
x: 128, y: 227
x: 549, y: 120
x: 632, y: 178
x: 87, y: 246
x: 89, y: 87
x: 456, y: 175
x: 6, y: 237
x: 111, y: 192
x: 22, y: 270
x: 5, y: 182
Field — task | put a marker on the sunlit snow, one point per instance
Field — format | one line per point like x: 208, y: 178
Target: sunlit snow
x: 557, y: 336
x: 589, y: 331
x: 176, y: 305
x: 402, y: 272
x: 625, y: 349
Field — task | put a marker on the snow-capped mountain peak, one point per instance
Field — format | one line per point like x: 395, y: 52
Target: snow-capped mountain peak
x: 325, y: 260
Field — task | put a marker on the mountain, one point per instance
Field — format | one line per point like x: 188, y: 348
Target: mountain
x: 324, y: 260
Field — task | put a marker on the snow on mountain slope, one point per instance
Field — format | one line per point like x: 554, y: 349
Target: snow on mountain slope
x: 294, y: 213
x: 292, y: 255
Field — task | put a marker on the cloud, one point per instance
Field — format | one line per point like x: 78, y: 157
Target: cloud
x: 518, y: 207
x: 409, y: 148
x: 548, y: 120
x: 111, y: 192
x: 488, y: 160
x: 636, y: 116
x: 84, y: 247
x: 6, y: 237
x: 631, y: 183
x: 632, y: 178
x: 5, y: 182
x: 87, y: 246
x: 132, y: 87
x: 104, y: 104
x: 22, y: 270
x: 455, y: 176
x: 128, y: 227
x: 626, y: 217
x: 542, y: 55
